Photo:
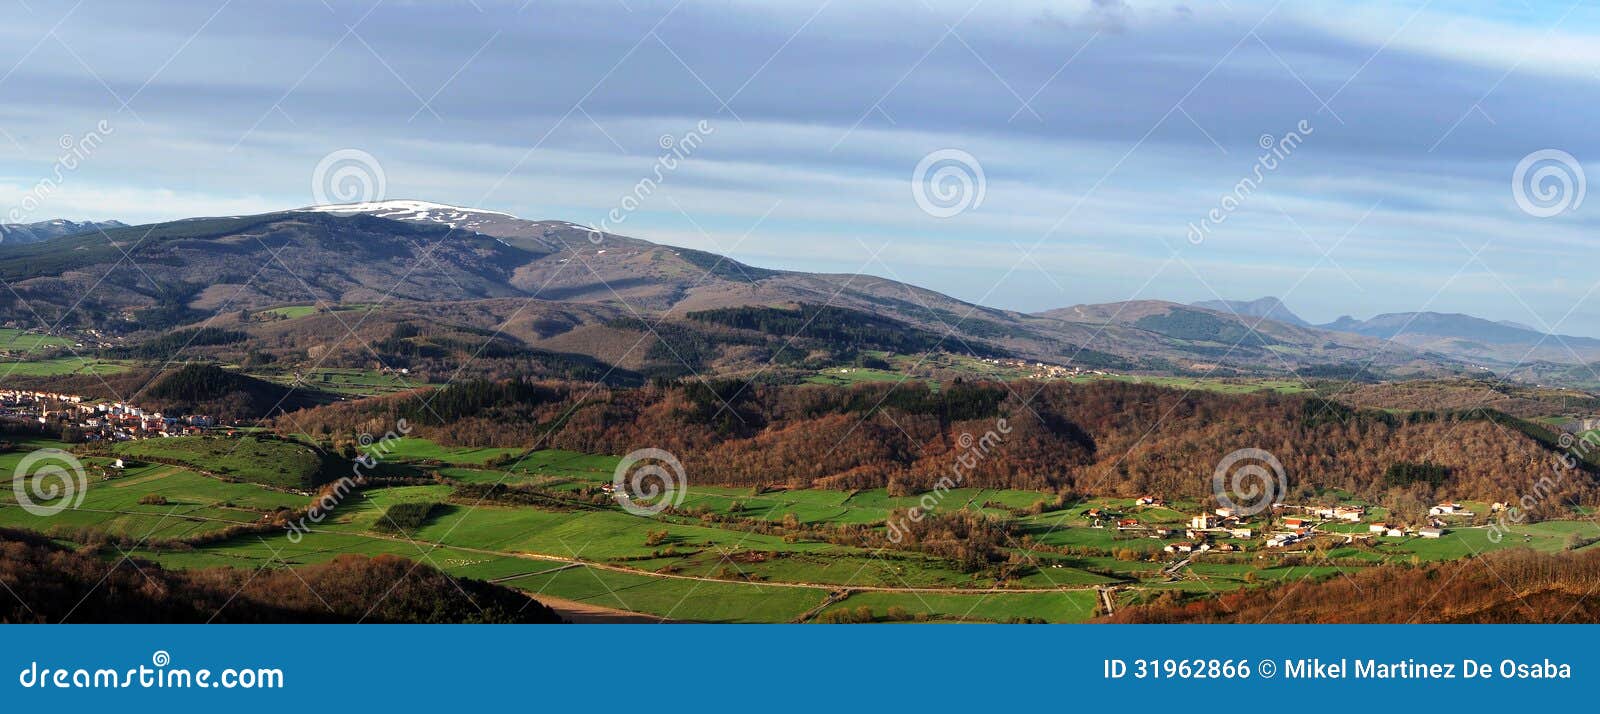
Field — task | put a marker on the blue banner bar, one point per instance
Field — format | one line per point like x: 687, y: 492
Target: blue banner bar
x: 793, y: 668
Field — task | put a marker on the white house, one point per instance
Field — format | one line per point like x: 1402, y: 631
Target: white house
x: 1349, y: 513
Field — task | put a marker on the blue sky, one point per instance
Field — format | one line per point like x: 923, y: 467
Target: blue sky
x: 1105, y: 130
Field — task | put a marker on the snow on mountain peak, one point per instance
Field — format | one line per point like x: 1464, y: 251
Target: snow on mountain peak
x: 409, y: 210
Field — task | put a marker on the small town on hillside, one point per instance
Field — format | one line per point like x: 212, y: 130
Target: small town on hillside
x: 1283, y: 526
x: 96, y: 420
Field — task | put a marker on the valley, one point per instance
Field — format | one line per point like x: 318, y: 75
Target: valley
x: 847, y: 448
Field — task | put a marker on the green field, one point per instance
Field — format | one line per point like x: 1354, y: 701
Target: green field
x: 941, y: 365
x: 727, y: 554
x: 122, y: 503
x: 674, y: 599
x: 60, y: 366
x: 349, y: 382
x: 846, y: 376
x: 14, y: 341
x: 1073, y: 606
x: 290, y: 312
x: 271, y: 462
x: 414, y: 449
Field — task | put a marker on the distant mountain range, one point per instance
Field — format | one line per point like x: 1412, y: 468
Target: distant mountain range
x: 1269, y: 308
x: 1498, y: 344
x: 428, y: 285
x: 16, y: 233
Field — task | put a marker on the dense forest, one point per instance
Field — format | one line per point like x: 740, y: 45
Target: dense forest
x: 1102, y: 438
x: 50, y: 583
x: 193, y: 388
x: 837, y: 327
x: 1515, y: 586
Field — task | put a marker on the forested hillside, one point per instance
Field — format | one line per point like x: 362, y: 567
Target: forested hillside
x: 1518, y: 586
x: 54, y: 584
x: 1102, y: 438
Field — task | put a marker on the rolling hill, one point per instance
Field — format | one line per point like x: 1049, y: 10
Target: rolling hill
x: 1499, y: 344
x: 419, y: 285
x: 1269, y: 308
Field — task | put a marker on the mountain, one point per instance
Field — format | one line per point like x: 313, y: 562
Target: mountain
x: 1195, y: 339
x: 427, y: 286
x: 1270, y: 308
x: 17, y: 233
x: 173, y: 273
x: 1497, y: 344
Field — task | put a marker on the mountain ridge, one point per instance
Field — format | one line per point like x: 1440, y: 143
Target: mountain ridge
x: 22, y: 233
x: 601, y: 296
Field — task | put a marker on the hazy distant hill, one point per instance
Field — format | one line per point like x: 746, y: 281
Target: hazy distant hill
x: 1270, y: 308
x: 18, y: 233
x: 1473, y: 338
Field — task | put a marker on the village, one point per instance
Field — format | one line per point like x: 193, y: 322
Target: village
x: 95, y: 420
x: 1281, y: 527
x: 1043, y: 370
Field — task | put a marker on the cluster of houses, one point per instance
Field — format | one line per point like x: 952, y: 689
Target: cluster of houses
x: 1043, y: 370
x: 97, y: 419
x: 1227, y: 523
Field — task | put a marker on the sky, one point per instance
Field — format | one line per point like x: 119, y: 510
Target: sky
x: 1026, y: 155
